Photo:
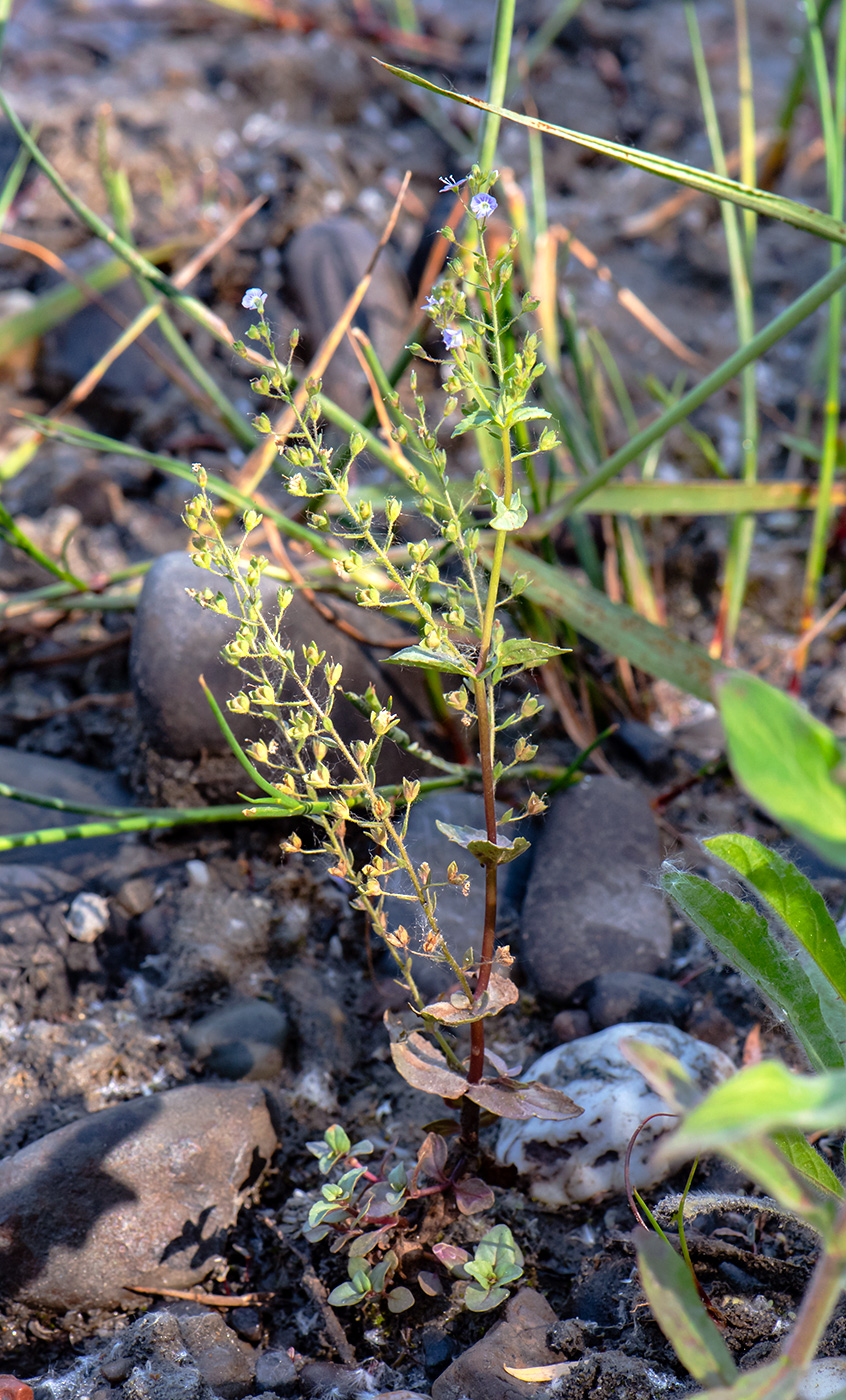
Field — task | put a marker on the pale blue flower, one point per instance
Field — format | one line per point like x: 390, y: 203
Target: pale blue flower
x: 254, y: 299
x: 449, y: 182
x: 482, y: 206
x: 432, y: 305
x: 453, y: 338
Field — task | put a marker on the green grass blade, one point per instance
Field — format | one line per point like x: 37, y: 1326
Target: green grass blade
x: 833, y: 113
x: 503, y: 31
x: 613, y: 626
x: 739, y: 257
x: 804, y: 306
x: 141, y: 821
x: 66, y: 432
x: 772, y: 206
x: 11, y: 532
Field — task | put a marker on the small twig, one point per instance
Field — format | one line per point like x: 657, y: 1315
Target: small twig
x: 209, y: 1300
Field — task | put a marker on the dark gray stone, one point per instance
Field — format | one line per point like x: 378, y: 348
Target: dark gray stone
x: 460, y: 917
x: 276, y: 1371
x: 140, y: 1193
x: 613, y: 997
x: 243, y: 1041
x: 225, y: 1363
x: 175, y: 641
x: 73, y: 782
x: 641, y: 742
x: 591, y: 903
x: 519, y: 1340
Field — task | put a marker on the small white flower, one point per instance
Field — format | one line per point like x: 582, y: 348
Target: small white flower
x: 254, y: 299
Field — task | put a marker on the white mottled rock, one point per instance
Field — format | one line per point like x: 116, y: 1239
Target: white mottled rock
x: 583, y: 1157
x: 826, y: 1378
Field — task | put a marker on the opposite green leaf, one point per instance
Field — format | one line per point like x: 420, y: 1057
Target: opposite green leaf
x: 680, y: 1312
x: 790, y: 763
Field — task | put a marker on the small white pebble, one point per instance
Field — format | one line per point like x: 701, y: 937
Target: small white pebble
x: 197, y: 872
x: 825, y: 1378
x: 87, y: 917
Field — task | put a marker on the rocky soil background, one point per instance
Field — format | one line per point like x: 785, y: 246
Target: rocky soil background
x: 180, y: 1013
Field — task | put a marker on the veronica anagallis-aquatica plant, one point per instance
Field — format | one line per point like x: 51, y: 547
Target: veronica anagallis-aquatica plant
x: 440, y: 582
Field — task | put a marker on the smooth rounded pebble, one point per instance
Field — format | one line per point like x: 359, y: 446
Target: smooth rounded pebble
x: 582, y: 1158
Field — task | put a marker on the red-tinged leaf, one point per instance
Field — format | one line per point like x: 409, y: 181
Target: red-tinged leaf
x: 431, y: 1159
x: 451, y: 1256
x: 421, y: 1064
x: 363, y: 1244
x: 509, y: 1098
x: 473, y: 1196
x: 501, y: 992
x: 430, y: 1283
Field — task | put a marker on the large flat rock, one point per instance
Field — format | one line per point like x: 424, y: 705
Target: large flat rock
x: 141, y: 1193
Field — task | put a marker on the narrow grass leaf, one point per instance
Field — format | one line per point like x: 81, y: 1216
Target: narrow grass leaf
x: 614, y: 626
x: 772, y: 206
x: 680, y: 1312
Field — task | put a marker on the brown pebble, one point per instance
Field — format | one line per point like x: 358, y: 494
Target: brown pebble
x: 13, y: 1389
x: 570, y: 1025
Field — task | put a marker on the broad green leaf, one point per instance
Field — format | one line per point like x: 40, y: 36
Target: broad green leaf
x: 400, y: 1299
x: 664, y: 1073
x: 744, y: 938
x: 758, y: 1157
x: 680, y: 1312
x: 791, y: 896
x: 478, y: 1299
x: 791, y: 764
x: 765, y: 1098
x: 613, y: 626
x: 430, y: 661
x: 527, y: 413
x: 802, y: 910
x: 475, y: 840
x: 761, y: 201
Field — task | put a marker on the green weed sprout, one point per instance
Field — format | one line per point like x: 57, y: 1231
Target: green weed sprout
x: 790, y: 946
x: 439, y: 581
x: 368, y: 1210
